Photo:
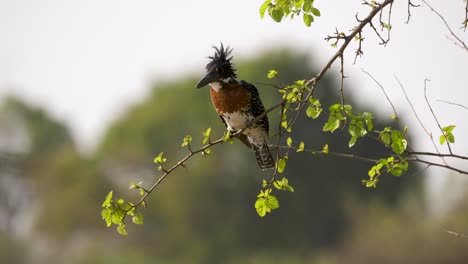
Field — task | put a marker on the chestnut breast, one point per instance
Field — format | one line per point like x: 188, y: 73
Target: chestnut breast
x: 229, y: 98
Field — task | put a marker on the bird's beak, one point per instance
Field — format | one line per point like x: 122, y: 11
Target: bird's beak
x: 209, y: 77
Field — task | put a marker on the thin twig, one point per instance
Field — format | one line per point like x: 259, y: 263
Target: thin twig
x: 423, y: 153
x: 455, y: 233
x: 342, y: 83
x: 429, y: 134
x: 447, y: 102
x: 314, y: 80
x: 410, y: 4
x: 416, y: 159
x: 383, y: 90
x: 435, y: 117
x: 465, y: 22
x: 330, y: 153
x: 457, y: 40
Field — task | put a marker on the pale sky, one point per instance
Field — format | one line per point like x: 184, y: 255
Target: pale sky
x: 85, y: 61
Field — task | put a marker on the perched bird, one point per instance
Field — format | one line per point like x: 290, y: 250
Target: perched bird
x: 238, y: 104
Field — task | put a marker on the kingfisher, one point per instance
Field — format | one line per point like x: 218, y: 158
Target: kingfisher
x: 238, y: 104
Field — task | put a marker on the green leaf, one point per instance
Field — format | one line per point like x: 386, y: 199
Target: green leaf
x: 399, y: 143
x: 442, y: 139
x: 325, y: 149
x: 272, y: 202
x: 187, y: 140
x: 107, y: 216
x: 289, y: 141
x: 301, y: 147
x: 120, y: 201
x: 281, y: 165
x: 276, y: 13
x: 396, y: 171
x: 332, y: 124
x: 314, y: 109
x: 261, y: 207
x: 159, y: 159
x: 107, y: 202
x: 315, y: 11
x: 206, y: 136
x: 286, y: 186
x: 121, y: 230
x: 264, y: 7
x: 137, y: 218
x: 307, y: 5
x: 308, y: 19
x: 206, y: 152
x: 352, y: 141
x: 117, y: 216
x: 278, y: 185
x: 272, y: 74
x: 385, y: 137
x: 368, y: 119
x: 451, y: 138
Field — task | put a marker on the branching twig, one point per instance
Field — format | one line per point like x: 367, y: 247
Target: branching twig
x: 438, y: 165
x: 314, y: 80
x: 359, y: 51
x: 383, y: 90
x: 435, y: 117
x: 457, y: 41
x: 429, y: 134
x: 410, y: 4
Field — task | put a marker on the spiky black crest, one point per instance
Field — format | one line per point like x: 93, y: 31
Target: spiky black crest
x: 221, y: 63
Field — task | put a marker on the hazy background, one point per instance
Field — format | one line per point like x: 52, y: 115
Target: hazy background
x: 91, y: 88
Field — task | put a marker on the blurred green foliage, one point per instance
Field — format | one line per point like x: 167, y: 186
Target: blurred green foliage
x: 206, y: 214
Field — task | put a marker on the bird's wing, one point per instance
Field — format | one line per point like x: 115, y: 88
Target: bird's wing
x: 256, y: 104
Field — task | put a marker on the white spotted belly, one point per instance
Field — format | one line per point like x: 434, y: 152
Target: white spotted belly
x: 237, y: 121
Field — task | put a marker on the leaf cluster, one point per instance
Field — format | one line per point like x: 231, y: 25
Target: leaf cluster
x: 279, y: 9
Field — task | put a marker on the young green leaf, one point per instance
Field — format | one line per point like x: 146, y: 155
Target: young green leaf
x: 160, y: 159
x: 137, y: 218
x: 206, y: 136
x: 264, y: 7
x: 107, y: 202
x: 308, y: 19
x: 325, y: 149
x: 187, y: 140
x: 272, y: 74
x: 314, y: 109
x: 121, y: 229
x: 301, y: 147
x: 315, y: 11
x: 107, y: 216
x: 289, y: 141
x: 281, y: 164
x: 332, y: 124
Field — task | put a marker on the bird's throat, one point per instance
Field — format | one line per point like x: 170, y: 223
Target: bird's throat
x: 215, y: 86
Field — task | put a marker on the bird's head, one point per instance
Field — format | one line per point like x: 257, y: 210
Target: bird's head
x: 219, y: 68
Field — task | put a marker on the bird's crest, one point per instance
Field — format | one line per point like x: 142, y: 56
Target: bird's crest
x: 221, y: 62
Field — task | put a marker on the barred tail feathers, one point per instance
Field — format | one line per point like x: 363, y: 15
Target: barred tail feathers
x: 264, y: 158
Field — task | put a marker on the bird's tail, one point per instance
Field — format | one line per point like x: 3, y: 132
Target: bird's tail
x: 264, y: 158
